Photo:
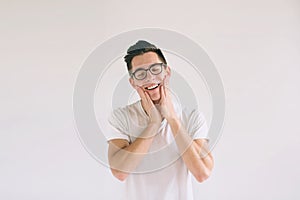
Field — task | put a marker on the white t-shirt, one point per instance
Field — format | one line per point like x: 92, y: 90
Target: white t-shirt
x: 162, y: 174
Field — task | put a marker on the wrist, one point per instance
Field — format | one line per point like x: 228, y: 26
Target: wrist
x: 173, y: 119
x: 155, y: 124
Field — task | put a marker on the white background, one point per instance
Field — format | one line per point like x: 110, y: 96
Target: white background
x: 255, y: 46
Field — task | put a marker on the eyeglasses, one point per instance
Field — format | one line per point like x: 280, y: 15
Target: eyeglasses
x: 141, y: 74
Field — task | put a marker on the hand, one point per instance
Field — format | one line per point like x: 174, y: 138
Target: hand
x: 165, y: 105
x: 151, y: 110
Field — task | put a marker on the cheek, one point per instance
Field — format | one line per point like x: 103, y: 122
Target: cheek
x: 158, y: 78
x: 139, y: 82
x: 161, y: 77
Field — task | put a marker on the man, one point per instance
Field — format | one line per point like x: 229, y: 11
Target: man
x: 149, y: 125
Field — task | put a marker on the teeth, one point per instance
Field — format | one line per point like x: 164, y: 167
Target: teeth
x: 152, y: 87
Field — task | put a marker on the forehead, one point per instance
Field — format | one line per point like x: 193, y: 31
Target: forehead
x: 144, y: 60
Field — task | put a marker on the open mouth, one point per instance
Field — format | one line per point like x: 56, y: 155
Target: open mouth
x: 152, y: 87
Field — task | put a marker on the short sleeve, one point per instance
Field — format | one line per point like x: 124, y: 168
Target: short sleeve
x: 118, y: 125
x: 195, y: 124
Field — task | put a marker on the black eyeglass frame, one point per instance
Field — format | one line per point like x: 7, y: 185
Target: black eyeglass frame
x: 132, y: 74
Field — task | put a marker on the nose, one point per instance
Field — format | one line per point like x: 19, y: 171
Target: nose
x: 149, y: 76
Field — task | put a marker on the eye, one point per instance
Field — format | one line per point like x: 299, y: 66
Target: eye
x: 155, y: 69
x: 140, y: 74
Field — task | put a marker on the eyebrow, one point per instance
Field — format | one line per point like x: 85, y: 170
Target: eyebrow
x: 149, y: 65
x: 139, y: 68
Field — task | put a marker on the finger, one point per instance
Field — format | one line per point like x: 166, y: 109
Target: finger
x: 148, y: 99
x: 167, y: 92
x: 166, y: 86
x: 166, y: 81
x: 141, y: 92
x: 162, y: 94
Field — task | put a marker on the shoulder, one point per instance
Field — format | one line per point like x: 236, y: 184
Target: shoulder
x: 192, y: 114
x: 125, y: 112
x: 195, y: 123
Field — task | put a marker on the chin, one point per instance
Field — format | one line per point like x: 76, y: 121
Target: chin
x: 155, y: 100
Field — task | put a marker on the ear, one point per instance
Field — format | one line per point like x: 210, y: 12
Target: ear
x: 168, y: 70
x: 131, y: 81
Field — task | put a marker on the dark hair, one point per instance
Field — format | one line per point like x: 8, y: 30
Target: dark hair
x: 140, y: 48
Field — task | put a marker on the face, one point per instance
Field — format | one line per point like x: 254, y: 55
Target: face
x: 152, y: 83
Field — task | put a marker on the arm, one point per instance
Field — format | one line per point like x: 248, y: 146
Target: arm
x: 194, y: 152
x: 124, y: 157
